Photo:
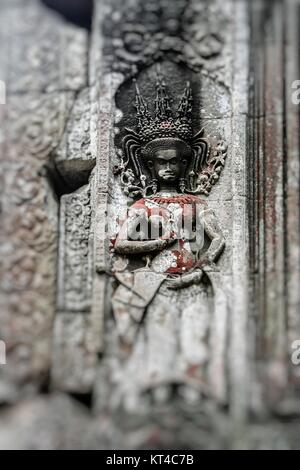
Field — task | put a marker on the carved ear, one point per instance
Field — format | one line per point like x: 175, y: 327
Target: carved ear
x: 150, y: 166
x: 183, y: 162
x: 150, y: 163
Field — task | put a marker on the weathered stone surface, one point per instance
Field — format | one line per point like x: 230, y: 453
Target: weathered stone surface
x: 44, y: 423
x: 62, y: 191
x: 41, y: 79
x: 74, y: 160
x: 75, y: 254
x: 273, y: 146
x: 220, y: 114
x: 34, y: 38
x: 73, y: 359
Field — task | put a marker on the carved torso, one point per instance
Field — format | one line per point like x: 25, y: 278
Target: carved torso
x: 178, y: 218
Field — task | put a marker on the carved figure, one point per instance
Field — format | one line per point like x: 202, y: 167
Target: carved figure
x: 170, y: 228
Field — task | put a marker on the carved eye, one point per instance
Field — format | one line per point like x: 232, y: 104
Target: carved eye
x: 150, y: 163
x: 184, y: 162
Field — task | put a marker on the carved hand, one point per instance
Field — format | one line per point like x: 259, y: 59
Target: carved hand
x: 186, y: 280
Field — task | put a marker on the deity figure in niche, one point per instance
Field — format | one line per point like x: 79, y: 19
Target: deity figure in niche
x: 162, y: 308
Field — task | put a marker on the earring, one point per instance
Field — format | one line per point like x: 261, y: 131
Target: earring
x: 191, y: 178
x: 154, y: 185
x: 182, y: 184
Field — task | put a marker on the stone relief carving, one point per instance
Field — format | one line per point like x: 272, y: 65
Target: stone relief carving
x: 39, y: 125
x: 28, y: 253
x: 46, y: 74
x: 35, y: 124
x: 190, y: 33
x: 202, y: 175
x: 44, y: 66
x: 75, y: 261
x: 169, y: 242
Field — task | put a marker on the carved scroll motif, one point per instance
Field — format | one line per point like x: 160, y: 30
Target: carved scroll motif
x: 154, y: 31
x: 75, y: 264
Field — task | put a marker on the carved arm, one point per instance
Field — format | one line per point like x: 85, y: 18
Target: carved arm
x: 214, y: 232
x: 125, y: 245
x: 132, y: 247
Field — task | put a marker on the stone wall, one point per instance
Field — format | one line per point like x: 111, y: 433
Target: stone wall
x: 68, y: 381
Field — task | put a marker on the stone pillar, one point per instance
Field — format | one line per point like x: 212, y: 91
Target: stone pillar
x: 273, y: 142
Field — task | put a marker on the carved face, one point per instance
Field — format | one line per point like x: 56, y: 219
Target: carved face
x: 166, y: 164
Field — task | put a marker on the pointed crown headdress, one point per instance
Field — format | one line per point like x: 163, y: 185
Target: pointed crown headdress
x: 163, y: 129
x: 163, y: 123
